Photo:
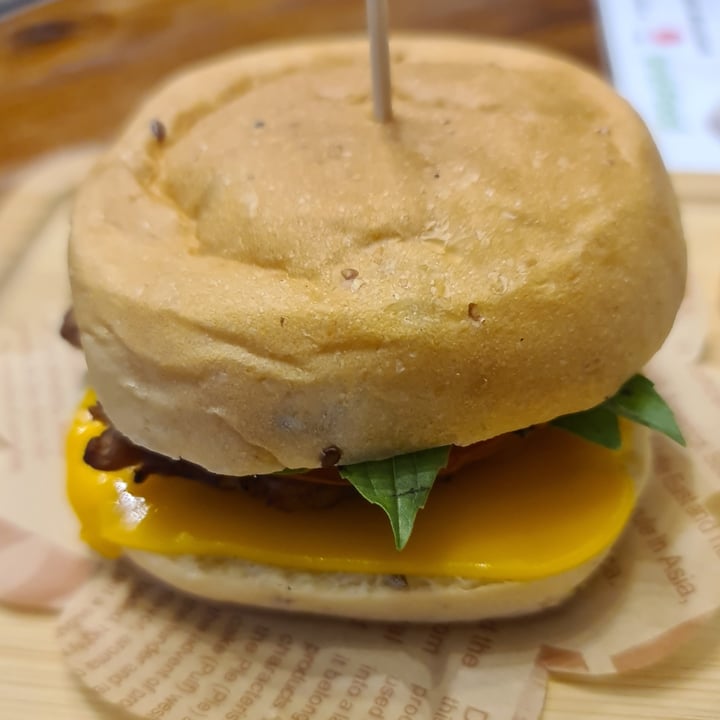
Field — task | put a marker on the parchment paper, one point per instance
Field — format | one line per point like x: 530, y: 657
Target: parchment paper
x: 160, y: 654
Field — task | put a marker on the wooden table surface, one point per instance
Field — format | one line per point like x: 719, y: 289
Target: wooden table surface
x: 72, y: 70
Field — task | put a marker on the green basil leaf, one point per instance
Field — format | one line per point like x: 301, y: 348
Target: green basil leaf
x: 598, y: 425
x: 638, y: 401
x: 399, y: 485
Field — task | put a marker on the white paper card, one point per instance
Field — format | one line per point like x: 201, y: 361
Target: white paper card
x: 664, y: 57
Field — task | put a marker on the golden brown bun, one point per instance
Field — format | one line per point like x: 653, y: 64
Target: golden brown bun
x: 379, y: 597
x: 515, y: 237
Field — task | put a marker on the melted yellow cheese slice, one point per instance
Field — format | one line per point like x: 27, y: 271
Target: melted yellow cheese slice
x: 518, y: 515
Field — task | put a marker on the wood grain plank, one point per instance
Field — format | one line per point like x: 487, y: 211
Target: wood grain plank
x: 34, y: 682
x: 72, y: 70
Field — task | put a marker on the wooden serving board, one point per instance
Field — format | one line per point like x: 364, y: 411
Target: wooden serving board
x: 34, y: 682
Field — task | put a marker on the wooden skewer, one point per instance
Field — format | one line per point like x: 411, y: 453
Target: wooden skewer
x: 377, y: 23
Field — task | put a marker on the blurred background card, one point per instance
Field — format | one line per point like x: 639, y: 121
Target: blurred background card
x: 664, y: 57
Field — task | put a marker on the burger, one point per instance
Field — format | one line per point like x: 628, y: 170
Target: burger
x: 384, y: 371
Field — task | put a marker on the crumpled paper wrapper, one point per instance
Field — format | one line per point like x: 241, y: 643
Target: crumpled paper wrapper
x: 160, y: 654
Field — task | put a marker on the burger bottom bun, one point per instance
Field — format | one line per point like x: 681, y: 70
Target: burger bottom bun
x: 377, y: 597
x: 361, y: 597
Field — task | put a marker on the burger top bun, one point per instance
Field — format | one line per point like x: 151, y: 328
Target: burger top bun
x: 261, y: 271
